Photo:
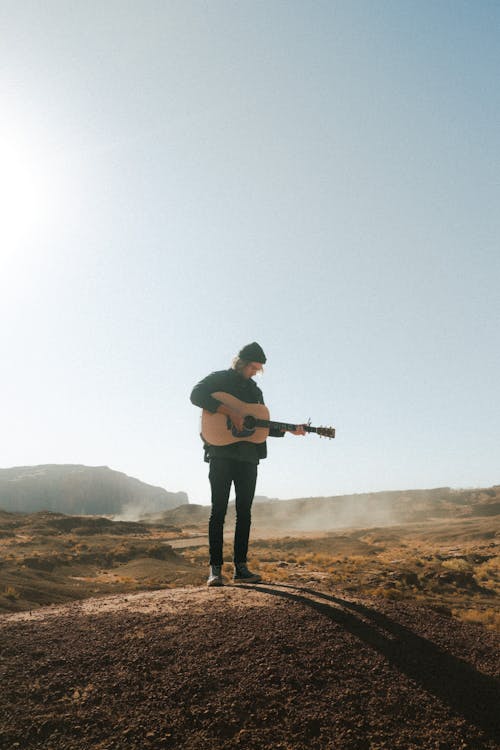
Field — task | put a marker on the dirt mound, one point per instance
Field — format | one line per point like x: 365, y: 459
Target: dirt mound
x: 255, y: 667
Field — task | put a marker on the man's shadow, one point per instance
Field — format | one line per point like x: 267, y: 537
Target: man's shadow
x: 467, y: 692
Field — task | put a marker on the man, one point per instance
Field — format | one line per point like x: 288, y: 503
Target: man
x: 236, y: 462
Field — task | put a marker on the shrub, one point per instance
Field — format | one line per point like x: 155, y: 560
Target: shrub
x: 11, y: 593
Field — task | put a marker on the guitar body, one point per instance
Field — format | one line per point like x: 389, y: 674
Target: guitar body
x: 216, y: 429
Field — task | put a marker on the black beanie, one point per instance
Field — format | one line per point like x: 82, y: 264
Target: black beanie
x: 253, y: 353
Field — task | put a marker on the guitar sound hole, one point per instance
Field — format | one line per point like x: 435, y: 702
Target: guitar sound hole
x: 249, y: 425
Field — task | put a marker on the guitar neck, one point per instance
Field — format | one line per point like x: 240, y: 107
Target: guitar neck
x: 283, y: 426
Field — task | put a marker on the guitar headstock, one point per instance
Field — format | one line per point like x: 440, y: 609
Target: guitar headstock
x: 328, y: 432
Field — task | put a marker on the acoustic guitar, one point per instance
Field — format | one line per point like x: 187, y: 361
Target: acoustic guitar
x: 217, y: 429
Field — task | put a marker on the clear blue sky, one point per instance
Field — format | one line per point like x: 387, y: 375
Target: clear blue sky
x: 181, y: 178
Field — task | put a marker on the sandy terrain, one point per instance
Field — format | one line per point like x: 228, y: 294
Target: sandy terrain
x: 271, y: 666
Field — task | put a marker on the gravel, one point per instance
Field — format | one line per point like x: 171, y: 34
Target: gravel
x: 251, y: 667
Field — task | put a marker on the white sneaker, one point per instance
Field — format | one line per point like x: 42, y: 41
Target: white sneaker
x: 215, y: 576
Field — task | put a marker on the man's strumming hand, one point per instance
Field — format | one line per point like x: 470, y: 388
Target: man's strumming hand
x: 235, y: 417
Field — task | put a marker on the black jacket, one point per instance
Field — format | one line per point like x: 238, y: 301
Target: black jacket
x: 242, y: 388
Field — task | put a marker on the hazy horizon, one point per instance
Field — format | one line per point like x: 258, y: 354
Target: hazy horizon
x: 134, y: 510
x: 179, y: 179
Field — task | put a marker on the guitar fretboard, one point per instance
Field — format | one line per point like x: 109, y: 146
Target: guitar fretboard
x: 284, y: 426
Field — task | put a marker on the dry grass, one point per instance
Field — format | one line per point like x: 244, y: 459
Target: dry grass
x: 451, y: 566
x: 455, y: 572
x: 44, y: 561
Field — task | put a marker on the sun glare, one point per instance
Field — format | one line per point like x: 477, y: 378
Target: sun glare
x: 30, y: 193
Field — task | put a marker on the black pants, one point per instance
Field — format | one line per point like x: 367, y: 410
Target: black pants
x: 223, y: 472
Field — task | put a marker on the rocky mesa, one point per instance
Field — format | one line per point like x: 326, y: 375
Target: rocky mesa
x: 81, y: 490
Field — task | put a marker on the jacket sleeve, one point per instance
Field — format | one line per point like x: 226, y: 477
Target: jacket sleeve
x: 201, y: 395
x: 273, y: 432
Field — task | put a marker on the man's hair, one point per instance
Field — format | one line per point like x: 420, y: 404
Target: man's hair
x: 239, y: 364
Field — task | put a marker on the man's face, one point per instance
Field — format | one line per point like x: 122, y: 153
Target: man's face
x: 251, y: 369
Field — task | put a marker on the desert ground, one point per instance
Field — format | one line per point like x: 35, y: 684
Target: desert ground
x: 376, y: 637
x: 450, y: 565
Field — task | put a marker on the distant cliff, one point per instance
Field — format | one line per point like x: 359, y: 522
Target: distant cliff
x: 82, y: 490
